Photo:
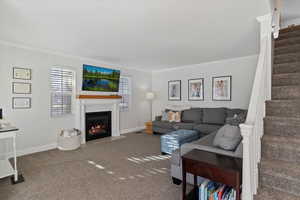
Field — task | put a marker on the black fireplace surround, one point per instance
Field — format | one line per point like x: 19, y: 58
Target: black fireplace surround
x: 97, y: 125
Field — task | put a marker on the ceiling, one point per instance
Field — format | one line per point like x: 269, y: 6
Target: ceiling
x: 143, y: 34
x: 290, y: 9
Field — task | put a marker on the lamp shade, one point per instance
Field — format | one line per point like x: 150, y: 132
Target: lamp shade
x: 150, y: 95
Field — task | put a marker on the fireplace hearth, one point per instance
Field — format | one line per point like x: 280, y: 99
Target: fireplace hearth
x: 97, y: 125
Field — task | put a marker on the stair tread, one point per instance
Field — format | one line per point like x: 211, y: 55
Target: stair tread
x: 286, y: 170
x: 272, y: 194
x: 287, y: 54
x: 286, y: 86
x: 283, y: 119
x: 288, y: 142
x: 286, y: 74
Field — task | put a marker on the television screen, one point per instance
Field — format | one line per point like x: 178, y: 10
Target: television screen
x: 100, y: 79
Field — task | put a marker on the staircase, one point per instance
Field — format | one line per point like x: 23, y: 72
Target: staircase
x: 279, y: 175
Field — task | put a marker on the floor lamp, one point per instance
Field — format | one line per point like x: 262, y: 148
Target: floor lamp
x: 150, y: 96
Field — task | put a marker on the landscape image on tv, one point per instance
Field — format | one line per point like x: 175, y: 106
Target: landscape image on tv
x: 100, y: 79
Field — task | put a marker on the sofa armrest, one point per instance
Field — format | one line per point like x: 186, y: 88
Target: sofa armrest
x: 158, y: 118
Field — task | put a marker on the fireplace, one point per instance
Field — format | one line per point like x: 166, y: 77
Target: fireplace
x: 97, y: 125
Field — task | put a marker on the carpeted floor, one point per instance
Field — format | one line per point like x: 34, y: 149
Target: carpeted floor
x: 128, y: 168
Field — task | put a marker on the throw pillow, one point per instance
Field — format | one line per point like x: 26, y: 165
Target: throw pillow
x: 228, y: 137
x: 237, y: 119
x: 174, y: 116
x: 214, y: 115
x: 164, y: 116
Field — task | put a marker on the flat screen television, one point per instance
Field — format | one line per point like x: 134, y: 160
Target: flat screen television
x: 100, y: 79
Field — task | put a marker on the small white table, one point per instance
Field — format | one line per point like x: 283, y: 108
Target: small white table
x: 6, y: 169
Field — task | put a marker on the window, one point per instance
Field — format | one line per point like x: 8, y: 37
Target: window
x: 62, y: 85
x: 125, y: 92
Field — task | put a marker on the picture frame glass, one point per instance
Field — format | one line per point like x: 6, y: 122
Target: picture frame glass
x: 21, y: 88
x: 222, y: 88
x: 21, y: 73
x: 21, y: 103
x: 196, y: 89
x: 174, y: 90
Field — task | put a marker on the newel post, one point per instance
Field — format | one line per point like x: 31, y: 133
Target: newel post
x: 247, y: 184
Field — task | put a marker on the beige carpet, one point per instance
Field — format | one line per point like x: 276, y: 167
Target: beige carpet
x: 128, y: 168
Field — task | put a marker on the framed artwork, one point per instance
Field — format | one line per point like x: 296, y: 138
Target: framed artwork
x: 21, y: 102
x: 221, y: 88
x: 21, y: 73
x: 21, y: 88
x: 174, y: 90
x: 196, y: 89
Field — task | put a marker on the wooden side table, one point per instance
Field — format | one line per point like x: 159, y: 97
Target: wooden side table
x: 216, y: 167
x: 149, y: 129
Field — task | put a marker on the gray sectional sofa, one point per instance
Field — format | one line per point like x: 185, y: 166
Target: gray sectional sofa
x: 207, y: 121
x: 204, y: 120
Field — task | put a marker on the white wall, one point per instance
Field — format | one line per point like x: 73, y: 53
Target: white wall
x: 241, y: 69
x: 38, y: 130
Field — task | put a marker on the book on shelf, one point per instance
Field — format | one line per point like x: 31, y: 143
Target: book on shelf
x: 209, y: 190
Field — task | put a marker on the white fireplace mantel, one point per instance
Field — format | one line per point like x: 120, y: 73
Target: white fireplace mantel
x: 98, y: 105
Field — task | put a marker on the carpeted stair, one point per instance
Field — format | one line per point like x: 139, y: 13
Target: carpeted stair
x: 279, y: 175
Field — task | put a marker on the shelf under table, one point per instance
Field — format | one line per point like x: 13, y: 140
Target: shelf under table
x: 6, y: 169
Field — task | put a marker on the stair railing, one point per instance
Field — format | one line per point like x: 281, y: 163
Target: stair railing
x: 252, y: 129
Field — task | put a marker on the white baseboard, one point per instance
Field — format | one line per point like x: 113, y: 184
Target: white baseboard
x: 130, y: 130
x: 47, y: 147
x: 31, y: 150
x: 37, y: 149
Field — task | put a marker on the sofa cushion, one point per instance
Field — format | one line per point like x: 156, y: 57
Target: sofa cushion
x: 173, y: 125
x: 207, y: 128
x: 192, y: 115
x: 214, y: 115
x: 228, y: 137
x: 163, y: 124
x: 206, y: 144
x: 183, y: 125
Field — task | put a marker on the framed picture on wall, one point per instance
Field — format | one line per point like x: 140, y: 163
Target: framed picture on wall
x: 21, y: 73
x: 21, y: 102
x: 21, y: 88
x: 174, y: 90
x: 196, y: 89
x: 221, y: 88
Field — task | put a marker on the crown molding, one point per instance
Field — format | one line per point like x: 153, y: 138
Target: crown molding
x: 204, y: 63
x: 62, y: 54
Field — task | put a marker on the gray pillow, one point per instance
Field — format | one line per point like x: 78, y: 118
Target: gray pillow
x: 214, y: 115
x: 228, y: 137
x: 192, y: 116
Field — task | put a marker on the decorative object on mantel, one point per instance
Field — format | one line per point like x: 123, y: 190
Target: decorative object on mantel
x: 196, y: 89
x: 174, y: 90
x: 21, y: 73
x: 69, y: 139
x: 150, y: 97
x: 21, y: 102
x: 21, y: 88
x: 221, y: 88
x: 83, y: 96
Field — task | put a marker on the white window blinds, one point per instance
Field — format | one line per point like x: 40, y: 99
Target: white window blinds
x: 125, y: 92
x: 62, y: 85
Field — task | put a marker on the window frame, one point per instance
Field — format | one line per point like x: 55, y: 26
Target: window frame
x: 126, y: 108
x: 72, y: 93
